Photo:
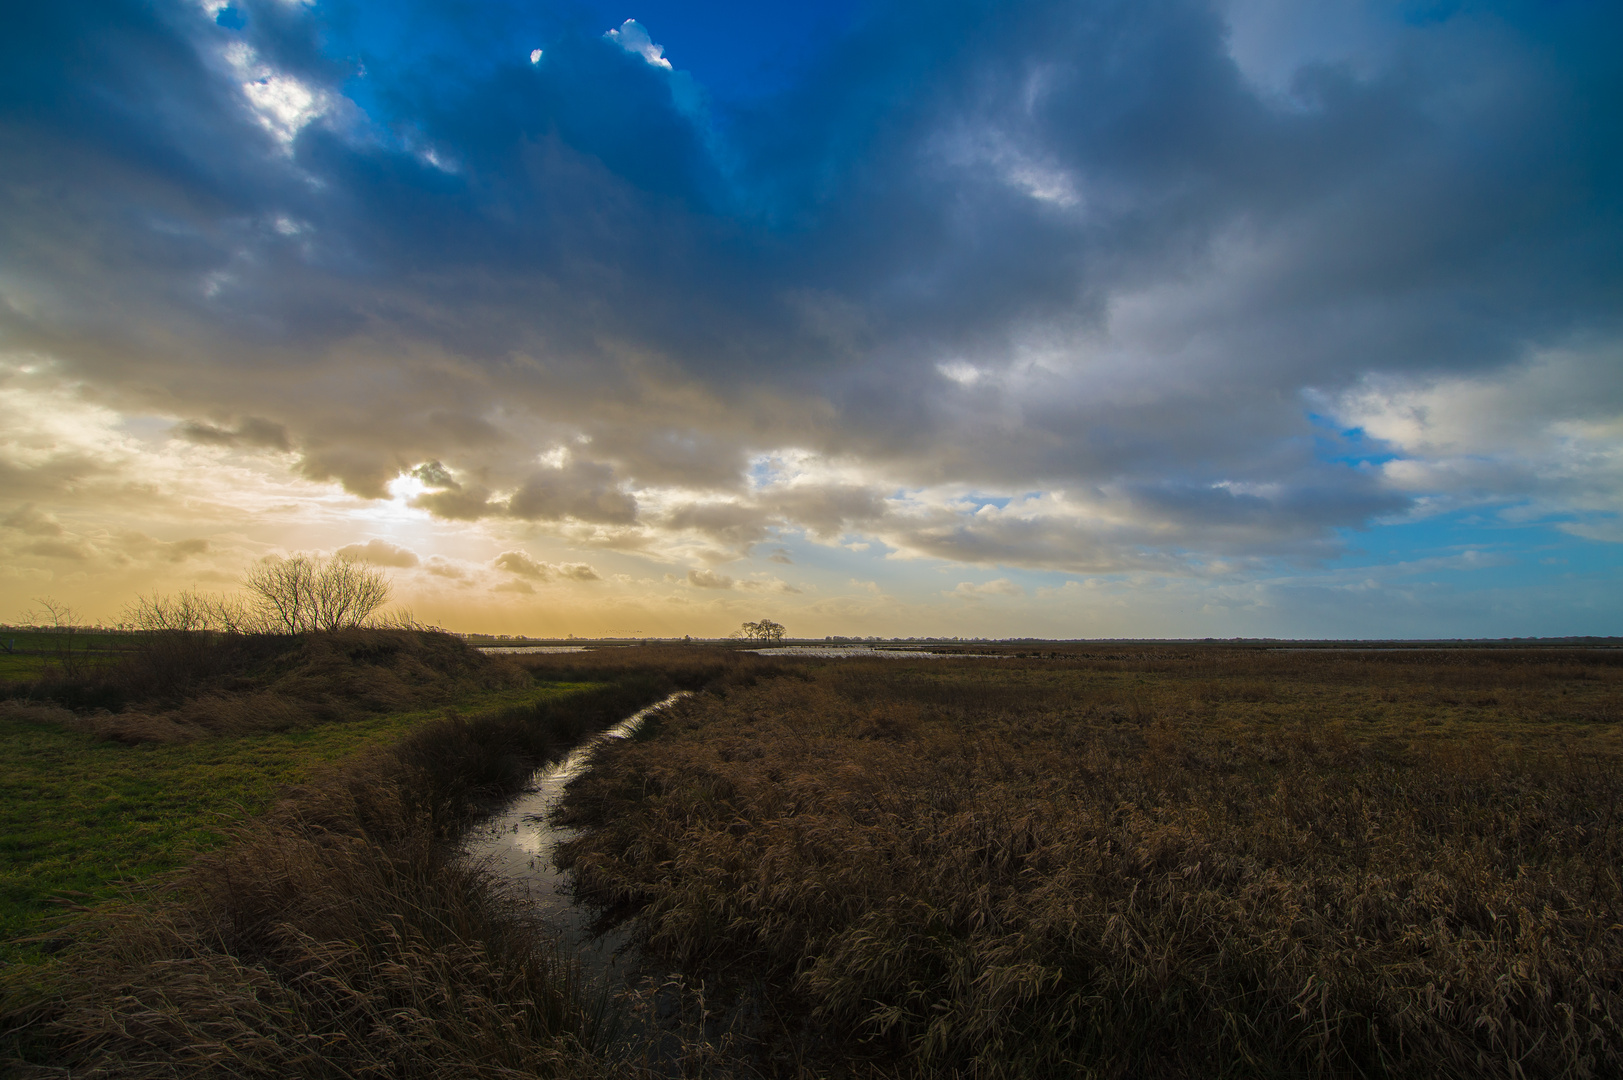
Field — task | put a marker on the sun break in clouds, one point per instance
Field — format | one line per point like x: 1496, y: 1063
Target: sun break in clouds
x: 1033, y: 318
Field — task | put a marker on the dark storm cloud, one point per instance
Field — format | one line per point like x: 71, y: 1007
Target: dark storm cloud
x: 1035, y: 246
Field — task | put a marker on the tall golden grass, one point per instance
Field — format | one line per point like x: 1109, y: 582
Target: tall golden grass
x: 1138, y: 863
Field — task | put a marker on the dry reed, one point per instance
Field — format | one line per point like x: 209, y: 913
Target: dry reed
x: 1147, y: 863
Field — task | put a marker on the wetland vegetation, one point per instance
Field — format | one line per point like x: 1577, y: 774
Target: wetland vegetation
x: 1134, y: 862
x: 1113, y: 861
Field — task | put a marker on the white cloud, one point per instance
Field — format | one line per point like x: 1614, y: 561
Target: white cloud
x: 1029, y: 172
x: 380, y: 553
x: 960, y: 372
x: 451, y: 569
x: 766, y: 583
x: 1271, y: 40
x: 709, y: 579
x: 523, y: 565
x: 1547, y: 433
x: 282, y: 104
x: 634, y: 39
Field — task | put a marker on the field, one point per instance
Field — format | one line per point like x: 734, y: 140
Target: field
x: 337, y: 931
x: 1134, y: 862
x: 93, y: 798
x: 80, y: 814
x: 1122, y: 861
x: 28, y: 654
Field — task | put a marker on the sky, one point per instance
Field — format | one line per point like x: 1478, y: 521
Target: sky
x: 1082, y: 319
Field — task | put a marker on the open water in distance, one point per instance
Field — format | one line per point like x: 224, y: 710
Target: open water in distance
x: 518, y: 842
x: 891, y: 653
x: 530, y: 648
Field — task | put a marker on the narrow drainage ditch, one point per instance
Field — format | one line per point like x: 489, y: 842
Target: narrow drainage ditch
x: 517, y: 843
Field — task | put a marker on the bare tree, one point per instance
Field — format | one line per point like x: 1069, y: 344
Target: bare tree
x: 301, y: 594
x: 182, y: 612
x: 60, y: 617
x: 232, y: 615
x: 765, y: 630
x: 282, y: 588
x: 64, y: 623
x: 347, y: 593
x: 192, y: 612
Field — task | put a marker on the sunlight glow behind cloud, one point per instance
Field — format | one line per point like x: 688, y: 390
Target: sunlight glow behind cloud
x: 1053, y: 318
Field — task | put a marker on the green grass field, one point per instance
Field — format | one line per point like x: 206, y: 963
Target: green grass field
x: 28, y: 654
x: 49, y: 641
x: 79, y: 816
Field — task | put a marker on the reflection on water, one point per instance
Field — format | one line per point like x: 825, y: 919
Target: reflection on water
x: 517, y: 844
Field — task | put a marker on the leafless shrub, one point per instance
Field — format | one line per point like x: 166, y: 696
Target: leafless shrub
x: 303, y: 594
x: 403, y: 619
x: 191, y: 612
x: 61, y: 620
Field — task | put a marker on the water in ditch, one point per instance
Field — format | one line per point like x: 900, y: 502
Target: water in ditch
x: 518, y: 844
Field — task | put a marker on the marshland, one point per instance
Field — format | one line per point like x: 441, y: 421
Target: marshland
x: 1110, y: 860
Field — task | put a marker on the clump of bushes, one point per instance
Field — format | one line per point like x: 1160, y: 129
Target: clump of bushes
x: 189, y: 652
x: 305, y: 642
x: 302, y: 594
x: 245, y: 683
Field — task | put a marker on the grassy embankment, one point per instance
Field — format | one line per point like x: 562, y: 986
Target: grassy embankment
x: 339, y: 932
x: 1137, y: 862
x: 80, y: 815
x: 90, y: 801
